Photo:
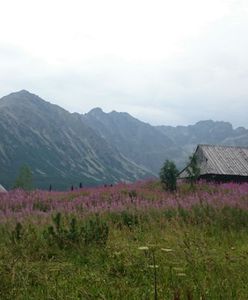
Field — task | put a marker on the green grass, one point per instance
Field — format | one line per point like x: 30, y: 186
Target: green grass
x: 208, y: 257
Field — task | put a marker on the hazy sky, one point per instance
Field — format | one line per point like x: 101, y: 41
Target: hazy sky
x: 165, y: 62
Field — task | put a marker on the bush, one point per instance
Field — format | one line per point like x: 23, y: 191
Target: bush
x: 129, y: 219
x: 168, y: 176
x: 193, y: 170
x: 93, y: 231
x: 24, y: 179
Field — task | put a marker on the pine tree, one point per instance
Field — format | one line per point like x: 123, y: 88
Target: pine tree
x: 168, y: 175
x: 24, y: 179
x: 193, y: 170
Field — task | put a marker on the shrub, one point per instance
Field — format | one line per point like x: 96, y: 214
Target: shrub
x: 129, y: 219
x: 17, y: 233
x: 168, y: 176
x: 125, y: 219
x: 193, y: 170
x: 95, y: 231
x: 24, y: 179
x: 132, y: 194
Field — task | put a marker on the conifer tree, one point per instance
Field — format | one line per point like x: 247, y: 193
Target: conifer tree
x: 168, y: 176
x: 24, y: 179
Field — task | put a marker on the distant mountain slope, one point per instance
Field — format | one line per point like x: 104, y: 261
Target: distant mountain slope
x: 204, y: 132
x: 150, y: 146
x: 58, y: 146
x: 138, y: 141
x: 95, y: 148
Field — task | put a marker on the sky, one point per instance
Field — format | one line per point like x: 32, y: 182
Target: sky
x: 171, y: 62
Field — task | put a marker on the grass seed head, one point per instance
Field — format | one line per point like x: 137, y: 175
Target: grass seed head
x: 144, y: 248
x: 167, y: 250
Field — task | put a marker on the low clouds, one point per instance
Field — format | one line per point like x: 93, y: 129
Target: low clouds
x: 163, y: 63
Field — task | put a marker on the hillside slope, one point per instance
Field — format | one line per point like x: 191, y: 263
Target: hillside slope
x: 65, y: 148
x: 57, y: 145
x: 204, y: 132
x: 138, y: 141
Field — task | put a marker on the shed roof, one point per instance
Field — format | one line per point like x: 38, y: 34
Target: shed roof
x: 221, y: 160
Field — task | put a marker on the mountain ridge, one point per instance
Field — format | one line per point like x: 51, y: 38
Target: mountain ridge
x: 57, y: 144
x: 64, y: 148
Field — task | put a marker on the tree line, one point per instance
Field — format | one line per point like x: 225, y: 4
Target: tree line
x: 168, y: 176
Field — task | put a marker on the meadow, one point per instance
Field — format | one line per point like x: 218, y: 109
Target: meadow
x: 128, y: 241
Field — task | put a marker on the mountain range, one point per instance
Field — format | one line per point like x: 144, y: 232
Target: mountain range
x: 63, y: 149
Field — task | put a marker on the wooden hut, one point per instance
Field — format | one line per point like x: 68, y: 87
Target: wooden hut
x: 220, y: 163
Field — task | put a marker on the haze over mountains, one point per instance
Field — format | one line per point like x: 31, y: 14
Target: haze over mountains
x: 63, y: 148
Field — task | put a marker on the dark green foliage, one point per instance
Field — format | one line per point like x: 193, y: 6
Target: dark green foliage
x: 61, y: 235
x: 170, y: 213
x: 129, y: 219
x: 132, y: 194
x: 73, y: 231
x: 17, y: 233
x: 24, y: 179
x: 193, y: 170
x: 95, y: 231
x: 168, y: 176
x: 57, y: 222
x: 92, y: 231
x: 41, y: 206
x: 125, y: 219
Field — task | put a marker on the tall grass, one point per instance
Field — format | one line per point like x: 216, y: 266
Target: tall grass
x: 87, y: 244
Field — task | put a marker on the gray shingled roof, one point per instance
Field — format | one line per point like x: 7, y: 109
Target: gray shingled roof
x: 2, y: 189
x: 221, y: 160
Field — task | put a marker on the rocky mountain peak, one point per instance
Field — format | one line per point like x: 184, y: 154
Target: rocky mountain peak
x: 98, y: 147
x: 96, y: 111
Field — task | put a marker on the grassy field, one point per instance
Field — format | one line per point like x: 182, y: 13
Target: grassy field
x: 125, y: 242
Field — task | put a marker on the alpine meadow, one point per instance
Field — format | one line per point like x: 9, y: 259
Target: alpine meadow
x: 129, y: 241
x: 124, y: 150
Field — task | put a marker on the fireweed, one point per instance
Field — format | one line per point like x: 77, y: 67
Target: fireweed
x: 98, y: 243
x: 39, y: 205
